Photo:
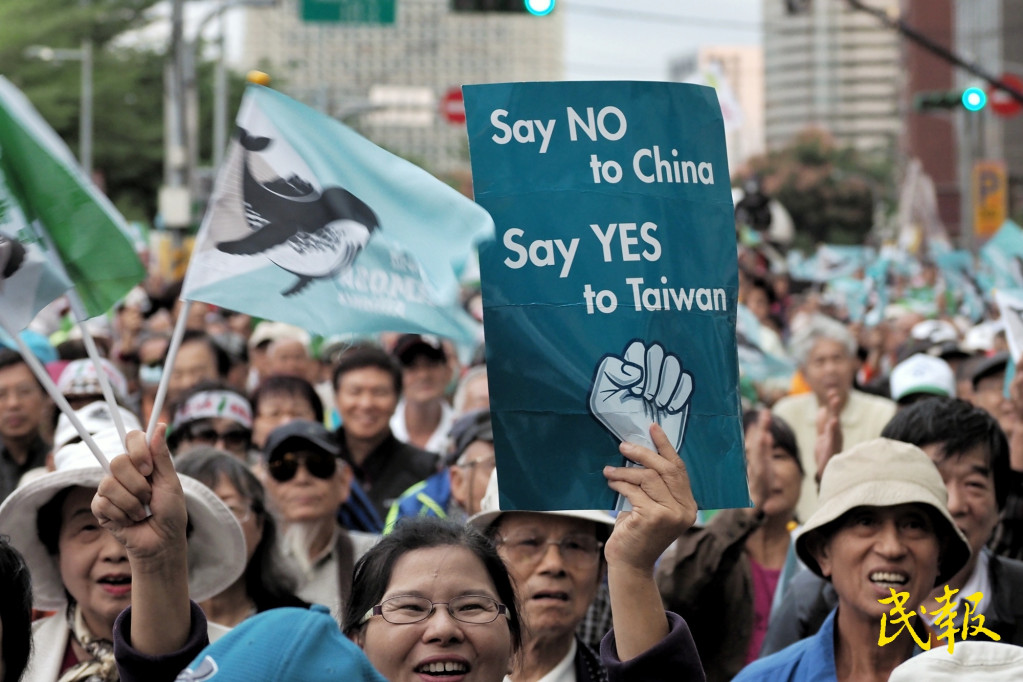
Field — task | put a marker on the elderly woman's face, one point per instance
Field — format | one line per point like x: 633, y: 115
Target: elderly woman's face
x: 829, y: 366
x: 876, y: 549
x: 440, y: 646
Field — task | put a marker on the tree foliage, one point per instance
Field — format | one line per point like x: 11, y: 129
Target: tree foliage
x: 128, y: 87
x: 830, y: 191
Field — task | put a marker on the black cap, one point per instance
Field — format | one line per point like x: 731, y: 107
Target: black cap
x: 410, y: 346
x: 300, y: 435
x: 985, y: 367
x: 466, y: 430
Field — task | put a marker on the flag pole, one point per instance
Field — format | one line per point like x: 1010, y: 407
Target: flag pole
x: 80, y: 316
x: 51, y: 388
x: 78, y: 311
x: 168, y: 363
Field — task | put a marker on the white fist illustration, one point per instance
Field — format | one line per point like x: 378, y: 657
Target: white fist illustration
x: 644, y: 386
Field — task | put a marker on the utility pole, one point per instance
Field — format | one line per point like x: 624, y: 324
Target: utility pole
x: 85, y: 120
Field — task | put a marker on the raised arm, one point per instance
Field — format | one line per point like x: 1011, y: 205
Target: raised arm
x: 156, y: 544
x: 662, y: 509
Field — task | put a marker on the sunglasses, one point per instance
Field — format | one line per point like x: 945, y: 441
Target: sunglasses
x: 233, y: 439
x: 318, y: 464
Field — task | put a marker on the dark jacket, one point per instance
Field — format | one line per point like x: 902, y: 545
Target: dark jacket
x: 809, y: 599
x: 706, y: 578
x: 390, y: 469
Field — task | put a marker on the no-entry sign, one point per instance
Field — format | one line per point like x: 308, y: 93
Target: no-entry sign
x: 452, y: 106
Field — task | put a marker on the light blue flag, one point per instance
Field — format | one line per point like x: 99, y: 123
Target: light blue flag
x: 755, y: 363
x: 610, y: 290
x: 28, y: 279
x: 968, y: 283
x: 829, y: 261
x: 1004, y: 254
x: 314, y: 225
x: 875, y: 298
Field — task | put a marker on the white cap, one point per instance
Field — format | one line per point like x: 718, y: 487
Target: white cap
x: 922, y: 373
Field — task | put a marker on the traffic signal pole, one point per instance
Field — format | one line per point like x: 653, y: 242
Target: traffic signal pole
x: 938, y: 49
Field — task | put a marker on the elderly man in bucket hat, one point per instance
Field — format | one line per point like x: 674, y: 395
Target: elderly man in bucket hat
x: 81, y: 571
x: 882, y: 527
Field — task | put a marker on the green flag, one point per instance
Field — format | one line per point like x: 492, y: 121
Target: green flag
x: 87, y: 231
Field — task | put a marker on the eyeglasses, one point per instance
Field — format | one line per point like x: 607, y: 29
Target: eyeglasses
x: 471, y: 608
x: 319, y: 464
x: 233, y: 439
x: 576, y: 550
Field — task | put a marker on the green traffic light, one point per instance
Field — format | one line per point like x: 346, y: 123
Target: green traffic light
x: 539, y: 8
x: 974, y: 99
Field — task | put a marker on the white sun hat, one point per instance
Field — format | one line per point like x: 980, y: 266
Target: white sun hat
x: 490, y: 510
x: 216, y: 546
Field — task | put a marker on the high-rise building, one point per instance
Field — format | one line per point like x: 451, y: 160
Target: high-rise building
x: 831, y: 67
x: 387, y: 80
x: 737, y: 73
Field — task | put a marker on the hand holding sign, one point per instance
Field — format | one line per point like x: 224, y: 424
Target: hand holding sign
x: 645, y: 386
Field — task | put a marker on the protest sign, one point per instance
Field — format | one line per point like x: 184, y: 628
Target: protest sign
x: 610, y: 288
x: 314, y: 225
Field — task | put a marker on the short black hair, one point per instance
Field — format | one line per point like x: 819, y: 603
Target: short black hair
x: 368, y: 356
x: 9, y: 358
x: 292, y: 386
x: 220, y: 355
x: 373, y: 571
x: 958, y: 427
x: 15, y: 611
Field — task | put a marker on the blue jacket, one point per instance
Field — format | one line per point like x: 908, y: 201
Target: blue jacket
x: 426, y: 498
x: 808, y: 660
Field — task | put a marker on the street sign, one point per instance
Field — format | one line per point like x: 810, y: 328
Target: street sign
x: 452, y: 106
x: 349, y: 11
x: 1002, y: 102
x: 989, y: 197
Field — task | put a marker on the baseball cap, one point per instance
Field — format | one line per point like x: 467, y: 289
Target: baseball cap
x: 984, y: 367
x: 922, y: 373
x: 79, y: 378
x: 300, y: 434
x: 283, y: 644
x: 470, y: 427
x: 409, y: 346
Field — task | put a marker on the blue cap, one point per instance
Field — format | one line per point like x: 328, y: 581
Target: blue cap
x: 283, y: 644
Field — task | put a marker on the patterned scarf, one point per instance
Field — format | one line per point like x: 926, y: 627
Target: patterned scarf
x: 101, y: 667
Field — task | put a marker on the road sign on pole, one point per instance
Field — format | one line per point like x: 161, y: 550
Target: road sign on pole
x: 1002, y: 103
x: 349, y: 11
x: 989, y: 197
x: 452, y: 107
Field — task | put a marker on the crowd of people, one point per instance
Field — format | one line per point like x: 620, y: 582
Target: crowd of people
x: 329, y: 509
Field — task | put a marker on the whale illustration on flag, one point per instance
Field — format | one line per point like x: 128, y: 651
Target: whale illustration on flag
x: 311, y: 224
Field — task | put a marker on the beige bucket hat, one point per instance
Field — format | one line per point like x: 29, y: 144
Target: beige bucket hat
x: 884, y: 473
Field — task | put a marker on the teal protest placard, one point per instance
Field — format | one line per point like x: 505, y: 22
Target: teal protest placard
x: 610, y: 288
